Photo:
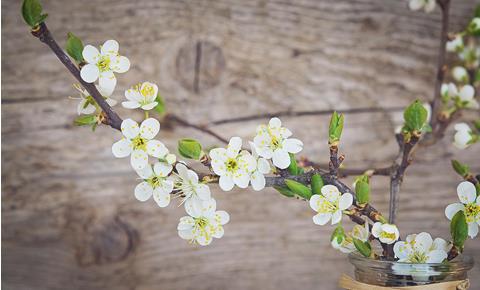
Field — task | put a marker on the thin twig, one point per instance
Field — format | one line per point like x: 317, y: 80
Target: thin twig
x: 182, y: 122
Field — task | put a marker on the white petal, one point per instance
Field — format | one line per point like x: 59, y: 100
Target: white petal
x: 204, y: 240
x: 143, y: 191
x: 149, y: 128
x: 146, y: 172
x: 258, y: 181
x: 192, y: 176
x: 466, y: 93
x: 90, y: 54
x: 234, y: 147
x: 345, y: 201
x: 331, y: 193
x: 222, y: 217
x: 89, y: 109
x: 156, y: 149
x: 182, y: 171
x: 263, y: 165
x: 247, y: 162
x: 281, y: 159
x: 119, y: 64
x: 89, y: 73
x: 133, y: 95
x: 402, y: 249
x: 129, y: 128
x: 436, y: 256
x: 186, y: 223
x: 377, y: 229
x: 462, y: 127
x: 110, y: 47
x: 161, y: 197
x: 149, y: 106
x: 186, y: 234
x: 241, y: 179
x: 336, y: 217
x: 275, y: 123
x: 203, y: 191
x: 423, y: 242
x: 416, y: 4
x: 149, y: 90
x: 430, y: 6
x: 131, y: 104
x: 111, y: 102
x: 139, y: 159
x: 314, y: 201
x: 162, y: 169
x: 218, y: 232
x: 293, y: 145
x: 218, y: 154
x: 122, y: 148
x: 321, y: 218
x: 107, y: 80
x: 226, y: 183
x: 472, y: 230
x: 466, y: 192
x: 452, y: 209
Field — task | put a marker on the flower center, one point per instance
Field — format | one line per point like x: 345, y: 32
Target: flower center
x: 472, y: 210
x: 154, y: 181
x: 139, y: 143
x: 326, y: 206
x: 418, y: 257
x: 232, y: 164
x: 104, y: 64
x: 385, y: 235
x: 147, y: 90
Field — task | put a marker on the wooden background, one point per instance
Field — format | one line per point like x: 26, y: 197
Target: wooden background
x: 69, y: 217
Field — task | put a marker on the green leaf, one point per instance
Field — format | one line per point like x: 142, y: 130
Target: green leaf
x: 415, y: 116
x: 363, y: 247
x: 299, y: 189
x: 477, y: 11
x: 74, y: 47
x: 476, y: 124
x: 190, y: 149
x: 317, y: 183
x: 32, y: 12
x: 462, y: 169
x: 335, y: 129
x: 459, y: 229
x: 84, y: 120
x: 293, y: 168
x: 362, y: 191
x: 285, y: 191
x: 338, y: 233
x: 160, y: 108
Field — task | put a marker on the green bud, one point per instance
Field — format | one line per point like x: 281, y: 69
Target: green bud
x: 338, y: 233
x: 293, y: 168
x: 284, y: 191
x: 190, y: 149
x: 462, y: 169
x: 317, y: 183
x: 74, y: 47
x: 85, y: 120
x: 363, y: 247
x: 299, y: 189
x: 32, y: 12
x: 474, y: 26
x: 362, y: 191
x: 415, y: 116
x: 160, y: 108
x: 476, y: 124
x: 335, y: 129
x: 459, y: 229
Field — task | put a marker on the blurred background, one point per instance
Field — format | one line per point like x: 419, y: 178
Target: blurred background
x: 69, y: 216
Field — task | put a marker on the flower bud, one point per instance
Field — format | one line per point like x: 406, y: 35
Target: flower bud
x: 460, y: 74
x: 190, y: 148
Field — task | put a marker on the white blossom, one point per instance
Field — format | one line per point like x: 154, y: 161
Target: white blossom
x: 456, y: 44
x: 460, y: 74
x: 427, y: 5
x: 87, y: 104
x: 346, y: 245
x: 475, y: 25
x: 232, y: 164
x: 156, y: 182
x: 469, y: 204
x: 467, y: 97
x: 330, y: 205
x: 272, y: 142
x: 257, y: 176
x: 102, y: 64
x: 463, y: 137
x: 142, y: 95
x: 203, y: 224
x: 421, y: 248
x: 187, y: 183
x: 138, y: 142
x: 386, y: 233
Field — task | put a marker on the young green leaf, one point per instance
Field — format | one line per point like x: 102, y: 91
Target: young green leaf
x: 32, y: 12
x: 415, y: 116
x: 190, y: 148
x: 477, y: 11
x: 335, y: 129
x: 284, y: 191
x: 459, y: 229
x: 316, y: 183
x: 338, y: 233
x: 160, y: 108
x: 293, y: 167
x: 84, y: 120
x: 363, y: 247
x: 362, y: 191
x: 298, y: 188
x: 74, y: 47
x: 462, y: 169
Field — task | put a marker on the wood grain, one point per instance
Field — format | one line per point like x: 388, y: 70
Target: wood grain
x: 69, y: 218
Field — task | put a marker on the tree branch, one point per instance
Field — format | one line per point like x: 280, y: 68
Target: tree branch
x: 44, y: 35
x: 175, y: 118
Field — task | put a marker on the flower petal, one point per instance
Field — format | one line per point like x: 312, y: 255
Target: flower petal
x: 241, y: 179
x: 149, y: 128
x: 149, y: 106
x: 275, y: 123
x: 331, y: 193
x: 186, y: 234
x: 423, y: 242
x: 91, y: 54
x: 321, y: 218
x: 234, y: 147
x: 146, y: 172
x: 107, y: 80
x: 466, y: 192
x: 222, y: 217
x: 162, y: 169
x: 281, y: 159
x: 293, y: 145
x: 377, y: 229
x: 143, y: 191
x: 315, y: 201
x: 122, y: 148
x: 466, y: 93
x: 336, y: 217
x: 161, y: 197
x: 182, y: 171
x: 472, y: 230
x: 109, y: 47
x: 186, y: 223
x: 402, y: 250
x: 119, y: 64
x: 156, y: 149
x: 416, y: 4
x: 452, y: 209
x: 89, y: 73
x: 258, y: 181
x: 226, y: 183
x: 139, y: 159
x: 203, y: 191
x: 436, y: 256
x: 345, y: 201
x: 131, y: 104
x: 263, y: 165
x: 133, y: 95
x: 129, y: 128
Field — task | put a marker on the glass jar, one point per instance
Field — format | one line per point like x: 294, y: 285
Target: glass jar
x: 391, y: 274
